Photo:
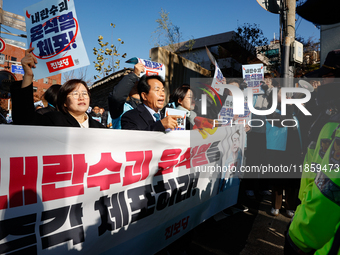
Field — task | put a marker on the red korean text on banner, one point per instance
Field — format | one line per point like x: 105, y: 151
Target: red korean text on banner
x: 60, y: 64
x: 150, y: 73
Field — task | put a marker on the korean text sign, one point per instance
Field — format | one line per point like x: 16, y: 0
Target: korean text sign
x: 68, y: 192
x: 53, y: 30
x: 151, y: 68
x: 253, y: 74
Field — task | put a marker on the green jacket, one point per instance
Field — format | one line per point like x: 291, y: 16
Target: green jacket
x: 319, y: 212
x: 314, y: 156
x: 332, y: 246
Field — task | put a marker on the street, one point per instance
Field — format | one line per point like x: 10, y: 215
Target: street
x: 245, y: 232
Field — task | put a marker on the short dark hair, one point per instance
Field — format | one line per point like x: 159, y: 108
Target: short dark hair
x: 143, y: 85
x: 179, y: 93
x: 51, y: 94
x: 66, y: 89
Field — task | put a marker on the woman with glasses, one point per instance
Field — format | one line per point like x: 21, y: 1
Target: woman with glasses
x: 73, y: 100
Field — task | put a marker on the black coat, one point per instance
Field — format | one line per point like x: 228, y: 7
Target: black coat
x: 23, y: 111
x: 140, y: 119
x: 117, y: 98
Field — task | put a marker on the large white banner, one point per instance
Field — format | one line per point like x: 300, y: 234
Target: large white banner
x: 94, y: 191
x: 53, y: 30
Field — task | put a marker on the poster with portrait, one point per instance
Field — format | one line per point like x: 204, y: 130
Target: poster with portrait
x: 234, y: 155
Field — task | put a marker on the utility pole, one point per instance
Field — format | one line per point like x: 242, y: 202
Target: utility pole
x: 288, y: 29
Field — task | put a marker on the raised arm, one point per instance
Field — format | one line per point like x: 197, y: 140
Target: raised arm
x: 28, y: 62
x: 23, y: 111
x: 121, y: 91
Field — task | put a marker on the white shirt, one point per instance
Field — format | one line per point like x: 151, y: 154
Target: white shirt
x: 85, y: 124
x: 151, y: 111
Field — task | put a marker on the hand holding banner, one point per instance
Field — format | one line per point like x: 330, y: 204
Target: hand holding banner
x: 151, y: 68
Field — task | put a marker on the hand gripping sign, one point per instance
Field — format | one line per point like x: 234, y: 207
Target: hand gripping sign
x: 151, y: 68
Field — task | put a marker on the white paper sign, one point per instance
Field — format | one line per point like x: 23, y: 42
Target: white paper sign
x: 226, y: 114
x: 253, y: 74
x: 53, y: 30
x: 218, y: 79
x: 181, y: 122
x: 151, y: 68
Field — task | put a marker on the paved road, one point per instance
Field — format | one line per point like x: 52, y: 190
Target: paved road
x: 252, y: 232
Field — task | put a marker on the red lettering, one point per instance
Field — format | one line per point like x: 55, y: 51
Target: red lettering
x: 201, y: 158
x: 59, y: 168
x: 169, y: 158
x: 186, y: 157
x: 140, y: 170
x: 104, y: 181
x: 3, y: 199
x: 23, y: 174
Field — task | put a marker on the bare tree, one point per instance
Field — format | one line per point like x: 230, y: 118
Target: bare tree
x: 166, y: 33
x: 250, y: 36
x: 80, y: 73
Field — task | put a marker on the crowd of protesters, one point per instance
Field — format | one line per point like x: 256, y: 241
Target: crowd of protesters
x: 137, y: 103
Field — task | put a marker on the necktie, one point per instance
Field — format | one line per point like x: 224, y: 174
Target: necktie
x: 157, y: 116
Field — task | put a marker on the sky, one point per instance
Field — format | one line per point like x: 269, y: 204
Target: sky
x: 136, y: 21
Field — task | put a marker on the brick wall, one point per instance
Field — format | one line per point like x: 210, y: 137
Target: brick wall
x: 15, y: 53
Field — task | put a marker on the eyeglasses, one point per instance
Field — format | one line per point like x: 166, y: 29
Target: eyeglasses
x: 77, y: 94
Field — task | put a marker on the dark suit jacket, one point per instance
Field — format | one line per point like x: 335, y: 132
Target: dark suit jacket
x: 23, y: 111
x: 140, y: 119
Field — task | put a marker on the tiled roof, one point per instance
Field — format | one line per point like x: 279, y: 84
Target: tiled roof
x: 112, y: 76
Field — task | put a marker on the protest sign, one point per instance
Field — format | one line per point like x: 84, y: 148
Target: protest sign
x: 253, y: 74
x: 218, y: 79
x: 151, y: 68
x: 218, y: 76
x: 69, y: 192
x: 226, y: 115
x: 53, y: 30
x: 180, y: 121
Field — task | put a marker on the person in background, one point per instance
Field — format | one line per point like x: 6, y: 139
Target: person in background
x: 72, y: 102
x: 3, y: 109
x: 50, y: 96
x: 254, y: 152
x: 283, y: 149
x: 104, y: 116
x: 125, y: 96
x: 313, y: 228
x: 95, y: 113
x: 184, y: 100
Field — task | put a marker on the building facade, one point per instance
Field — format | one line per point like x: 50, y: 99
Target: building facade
x: 12, y: 70
x: 229, y: 53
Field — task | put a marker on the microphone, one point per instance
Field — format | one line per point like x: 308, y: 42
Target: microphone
x: 305, y: 85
